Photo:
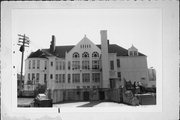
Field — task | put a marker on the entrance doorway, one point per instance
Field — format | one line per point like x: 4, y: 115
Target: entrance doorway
x: 101, y: 95
x: 86, y: 96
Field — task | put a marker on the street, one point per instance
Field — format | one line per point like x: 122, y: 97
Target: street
x: 90, y: 104
x: 27, y: 101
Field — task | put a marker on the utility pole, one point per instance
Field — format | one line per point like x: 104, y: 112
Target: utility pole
x: 22, y: 42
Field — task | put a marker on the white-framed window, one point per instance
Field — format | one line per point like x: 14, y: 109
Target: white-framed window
x: 76, y: 55
x: 37, y: 77
x: 69, y: 78
x: 86, y: 77
x: 29, y: 76
x: 51, y: 76
x: 45, y: 78
x: 112, y: 65
x: 118, y: 63
x: 33, y: 64
x: 29, y: 64
x: 119, y: 75
x: 33, y: 78
x: 69, y: 65
x: 75, y: 65
x: 95, y: 54
x: 60, y: 65
x: 63, y: 78
x: 85, y: 55
x: 45, y: 65
x: 57, y: 65
x: 95, y: 64
x: 38, y: 64
x: 76, y: 78
x: 63, y: 65
x: 56, y: 80
x: 85, y: 64
x: 60, y: 78
x: 96, y: 77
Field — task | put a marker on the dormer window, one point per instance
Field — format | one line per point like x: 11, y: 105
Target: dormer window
x: 133, y: 51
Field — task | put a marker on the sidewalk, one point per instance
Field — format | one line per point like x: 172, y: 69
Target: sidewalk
x: 24, y: 102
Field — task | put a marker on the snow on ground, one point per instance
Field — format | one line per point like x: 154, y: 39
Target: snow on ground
x: 75, y: 104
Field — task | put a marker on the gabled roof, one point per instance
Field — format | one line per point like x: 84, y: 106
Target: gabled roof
x: 61, y: 51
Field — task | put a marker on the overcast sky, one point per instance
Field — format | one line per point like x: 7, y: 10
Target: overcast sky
x: 140, y: 27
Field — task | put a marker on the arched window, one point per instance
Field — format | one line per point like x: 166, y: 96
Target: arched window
x: 85, y: 55
x: 75, y: 55
x: 95, y: 54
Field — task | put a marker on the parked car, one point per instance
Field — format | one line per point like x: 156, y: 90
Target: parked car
x: 41, y: 100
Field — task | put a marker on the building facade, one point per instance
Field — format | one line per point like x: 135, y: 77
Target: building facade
x: 84, y: 71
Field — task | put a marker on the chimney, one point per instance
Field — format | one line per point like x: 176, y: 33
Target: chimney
x: 53, y: 44
x: 108, y: 44
x: 105, y: 60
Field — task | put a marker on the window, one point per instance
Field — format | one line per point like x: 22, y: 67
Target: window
x: 135, y: 53
x: 51, y: 63
x: 28, y: 76
x: 69, y: 78
x: 29, y: 64
x: 69, y: 65
x: 60, y: 78
x: 63, y: 65
x: 119, y: 75
x: 112, y: 65
x: 86, y: 77
x: 118, y: 62
x: 51, y: 76
x: 45, y: 78
x: 56, y: 80
x: 33, y: 64
x: 37, y: 77
x: 45, y: 65
x: 75, y: 55
x: 96, y: 77
x: 60, y: 65
x: 57, y: 64
x: 85, y: 64
x: 76, y: 65
x: 76, y: 78
x: 95, y: 64
x: 33, y: 77
x: 95, y: 54
x: 63, y: 78
x: 38, y: 64
x: 131, y: 53
x: 85, y: 55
